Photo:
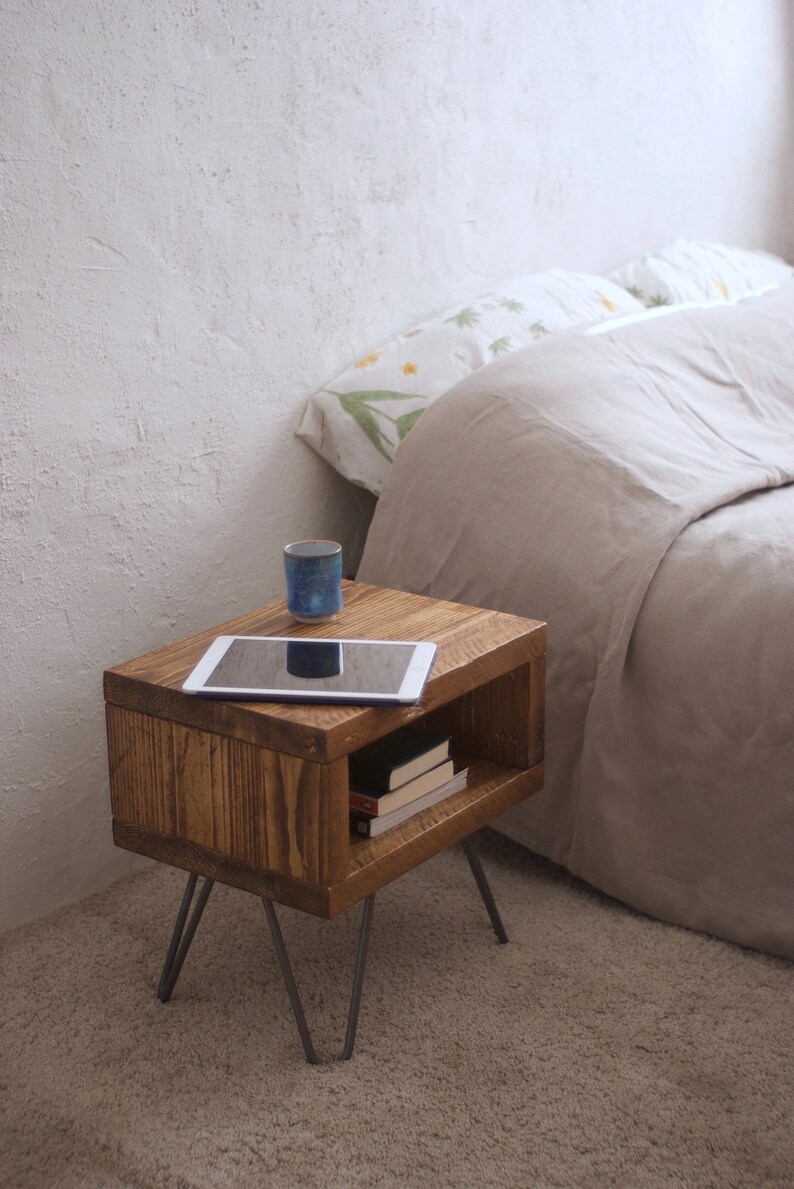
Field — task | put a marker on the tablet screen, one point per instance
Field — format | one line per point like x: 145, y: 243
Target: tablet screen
x: 270, y: 665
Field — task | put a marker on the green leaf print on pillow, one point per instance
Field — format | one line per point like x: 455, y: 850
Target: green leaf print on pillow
x: 466, y: 317
x: 357, y: 406
x: 408, y: 421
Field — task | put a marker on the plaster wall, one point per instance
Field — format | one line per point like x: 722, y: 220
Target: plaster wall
x: 208, y: 208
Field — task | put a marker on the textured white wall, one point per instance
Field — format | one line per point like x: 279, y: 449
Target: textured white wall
x: 208, y: 208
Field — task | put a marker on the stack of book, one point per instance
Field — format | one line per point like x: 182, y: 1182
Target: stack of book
x: 397, y: 776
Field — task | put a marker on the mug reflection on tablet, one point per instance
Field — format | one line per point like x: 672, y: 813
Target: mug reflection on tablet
x: 312, y: 659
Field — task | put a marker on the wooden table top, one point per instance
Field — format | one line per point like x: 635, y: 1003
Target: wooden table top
x: 474, y: 646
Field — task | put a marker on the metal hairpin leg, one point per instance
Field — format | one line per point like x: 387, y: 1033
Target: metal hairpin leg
x: 485, y: 889
x: 182, y: 938
x: 178, y: 952
x: 292, y: 989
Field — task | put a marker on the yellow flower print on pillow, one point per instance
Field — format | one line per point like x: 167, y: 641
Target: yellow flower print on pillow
x: 609, y: 305
x: 409, y: 369
x: 368, y: 360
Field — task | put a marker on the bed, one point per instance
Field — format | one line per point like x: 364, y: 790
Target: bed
x: 632, y: 483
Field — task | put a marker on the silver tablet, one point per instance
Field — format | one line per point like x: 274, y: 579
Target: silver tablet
x: 279, y: 669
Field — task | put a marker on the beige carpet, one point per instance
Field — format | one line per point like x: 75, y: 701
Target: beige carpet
x: 597, y: 1048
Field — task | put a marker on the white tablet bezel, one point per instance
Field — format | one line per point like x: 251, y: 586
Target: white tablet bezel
x: 409, y: 692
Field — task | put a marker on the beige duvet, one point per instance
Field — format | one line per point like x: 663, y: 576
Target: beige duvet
x: 633, y: 488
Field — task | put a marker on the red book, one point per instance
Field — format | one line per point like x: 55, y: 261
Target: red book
x: 370, y: 825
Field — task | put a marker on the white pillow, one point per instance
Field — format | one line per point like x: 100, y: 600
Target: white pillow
x: 692, y: 271
x: 662, y: 310
x: 357, y: 421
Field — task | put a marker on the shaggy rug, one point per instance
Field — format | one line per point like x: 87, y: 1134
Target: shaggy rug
x: 598, y: 1048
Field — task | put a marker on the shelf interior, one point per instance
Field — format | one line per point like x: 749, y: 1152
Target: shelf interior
x: 484, y: 777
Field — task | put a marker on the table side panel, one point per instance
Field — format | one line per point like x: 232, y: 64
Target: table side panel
x: 494, y: 720
x: 537, y: 710
x: 262, y: 807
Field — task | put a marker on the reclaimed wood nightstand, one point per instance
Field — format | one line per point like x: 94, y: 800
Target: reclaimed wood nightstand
x: 255, y: 794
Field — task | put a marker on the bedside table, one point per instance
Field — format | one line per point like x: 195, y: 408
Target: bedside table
x: 255, y: 794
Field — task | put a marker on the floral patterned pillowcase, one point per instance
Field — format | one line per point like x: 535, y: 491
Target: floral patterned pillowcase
x: 359, y: 419
x: 692, y: 271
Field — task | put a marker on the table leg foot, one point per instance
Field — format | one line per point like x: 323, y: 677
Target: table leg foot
x: 292, y: 988
x: 485, y: 889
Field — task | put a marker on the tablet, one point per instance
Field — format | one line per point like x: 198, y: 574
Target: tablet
x: 279, y: 669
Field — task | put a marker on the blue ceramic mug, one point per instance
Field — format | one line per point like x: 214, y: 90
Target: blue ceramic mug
x: 313, y: 571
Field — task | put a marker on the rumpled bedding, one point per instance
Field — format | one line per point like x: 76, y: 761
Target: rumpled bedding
x: 633, y: 489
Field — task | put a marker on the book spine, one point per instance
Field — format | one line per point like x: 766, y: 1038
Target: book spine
x: 372, y: 775
x: 386, y: 765
x: 360, y: 822
x: 362, y: 801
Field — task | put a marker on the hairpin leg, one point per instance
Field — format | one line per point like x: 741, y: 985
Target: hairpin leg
x: 485, y: 889
x: 178, y: 952
x: 292, y: 989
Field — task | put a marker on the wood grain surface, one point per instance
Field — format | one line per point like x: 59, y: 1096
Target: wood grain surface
x: 474, y: 645
x: 255, y: 794
x: 372, y: 862
x: 263, y: 807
